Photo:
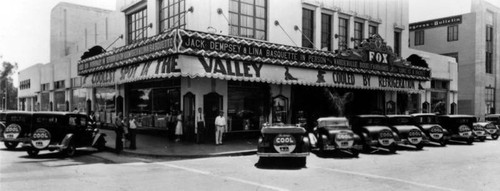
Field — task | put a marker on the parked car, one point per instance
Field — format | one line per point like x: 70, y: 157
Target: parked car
x: 15, y: 129
x: 408, y: 132
x: 280, y: 140
x: 493, y: 132
x: 459, y: 127
x: 428, y: 123
x: 374, y: 132
x: 479, y: 130
x: 63, y: 131
x: 334, y: 133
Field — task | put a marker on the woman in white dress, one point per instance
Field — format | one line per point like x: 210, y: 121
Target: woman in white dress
x: 178, y: 127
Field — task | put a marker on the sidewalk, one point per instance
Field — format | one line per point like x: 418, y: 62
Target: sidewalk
x: 158, y: 146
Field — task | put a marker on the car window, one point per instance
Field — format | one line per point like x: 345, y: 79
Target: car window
x: 401, y: 121
x: 375, y: 121
x: 72, y: 120
x: 83, y: 121
x: 427, y: 119
x: 17, y: 119
x: 46, y: 120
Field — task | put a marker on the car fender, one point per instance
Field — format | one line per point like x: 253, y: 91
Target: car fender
x: 306, y: 146
x: 65, y: 142
x: 96, y: 138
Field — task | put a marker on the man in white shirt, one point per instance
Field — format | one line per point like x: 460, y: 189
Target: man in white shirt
x: 199, y: 126
x: 220, y: 125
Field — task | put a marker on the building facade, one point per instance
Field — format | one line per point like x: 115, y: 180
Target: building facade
x: 253, y: 61
x: 473, y: 39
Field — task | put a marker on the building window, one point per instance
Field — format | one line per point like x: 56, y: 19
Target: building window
x: 343, y: 32
x: 358, y: 33
x: 248, y: 18
x: 490, y: 100
x: 76, y: 82
x: 25, y: 84
x: 397, y: 43
x: 172, y: 14
x: 489, y: 49
x: 45, y: 87
x: 372, y: 29
x: 59, y: 84
x: 307, y: 28
x: 453, y: 33
x: 326, y: 32
x: 137, y: 26
x: 419, y: 37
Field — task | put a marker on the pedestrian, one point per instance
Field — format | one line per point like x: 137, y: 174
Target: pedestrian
x: 119, y: 126
x: 178, y: 127
x: 132, y: 133
x: 92, y: 121
x: 200, y: 126
x: 220, y: 127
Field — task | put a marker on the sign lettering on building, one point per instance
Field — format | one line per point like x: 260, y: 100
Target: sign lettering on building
x: 230, y: 67
x: 436, y: 23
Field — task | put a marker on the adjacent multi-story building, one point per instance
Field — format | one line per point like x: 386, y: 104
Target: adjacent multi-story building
x: 250, y: 59
x: 473, y: 40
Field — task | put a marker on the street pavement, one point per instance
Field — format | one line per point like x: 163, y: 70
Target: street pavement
x: 455, y: 167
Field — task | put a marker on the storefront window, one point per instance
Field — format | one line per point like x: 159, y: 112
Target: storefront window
x: 45, y: 105
x: 280, y: 109
x: 153, y: 104
x: 59, y: 101
x: 105, y: 104
x: 246, y: 105
x: 79, y: 100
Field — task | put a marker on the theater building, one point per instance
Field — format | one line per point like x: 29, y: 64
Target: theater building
x: 474, y: 41
x: 253, y: 62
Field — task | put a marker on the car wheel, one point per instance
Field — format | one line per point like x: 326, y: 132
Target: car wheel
x: 101, y: 144
x: 32, y: 152
x: 393, y: 148
x: 482, y: 139
x: 470, y: 141
x: 443, y: 142
x: 419, y: 146
x: 301, y: 161
x: 494, y: 136
x: 70, y: 151
x: 355, y: 152
x: 10, y: 145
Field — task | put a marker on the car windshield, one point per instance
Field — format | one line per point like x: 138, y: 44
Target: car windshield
x: 401, y: 121
x: 426, y: 119
x: 374, y: 121
x: 46, y: 120
x: 464, y: 120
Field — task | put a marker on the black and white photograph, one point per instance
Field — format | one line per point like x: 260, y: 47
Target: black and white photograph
x: 225, y: 95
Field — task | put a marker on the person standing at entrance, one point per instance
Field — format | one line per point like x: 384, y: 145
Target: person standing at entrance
x: 178, y: 127
x: 119, y: 129
x: 131, y: 131
x: 220, y: 125
x: 200, y: 126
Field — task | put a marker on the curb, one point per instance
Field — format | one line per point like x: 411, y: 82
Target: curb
x: 221, y: 154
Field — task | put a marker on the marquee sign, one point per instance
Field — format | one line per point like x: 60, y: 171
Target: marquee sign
x: 373, y: 57
x: 436, y: 23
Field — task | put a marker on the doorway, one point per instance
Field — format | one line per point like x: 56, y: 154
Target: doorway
x: 188, y: 114
x: 212, y: 104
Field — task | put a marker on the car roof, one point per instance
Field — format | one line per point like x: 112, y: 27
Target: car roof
x: 493, y: 115
x: 370, y: 115
x: 332, y: 119
x: 422, y: 114
x: 55, y: 113
x: 458, y: 116
x: 394, y: 116
x: 18, y: 112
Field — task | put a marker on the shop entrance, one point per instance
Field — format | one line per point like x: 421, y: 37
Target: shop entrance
x: 212, y: 104
x: 189, y: 116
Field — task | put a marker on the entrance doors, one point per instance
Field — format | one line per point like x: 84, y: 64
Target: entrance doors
x: 212, y: 104
x: 188, y: 114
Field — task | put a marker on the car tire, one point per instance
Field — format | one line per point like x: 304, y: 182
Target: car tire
x: 10, y: 145
x: 470, y: 141
x: 482, y: 139
x: 393, y: 148
x: 443, y: 142
x: 70, y: 151
x: 419, y: 146
x: 494, y: 136
x: 101, y: 144
x: 301, y: 161
x: 32, y: 152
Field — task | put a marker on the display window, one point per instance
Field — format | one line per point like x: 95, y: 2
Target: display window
x: 59, y: 101
x: 79, y: 97
x: 105, y: 104
x: 45, y: 101
x: 247, y: 103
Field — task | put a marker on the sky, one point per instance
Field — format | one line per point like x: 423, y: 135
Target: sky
x: 25, y: 24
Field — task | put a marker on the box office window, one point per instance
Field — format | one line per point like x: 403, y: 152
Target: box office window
x: 343, y: 33
x: 419, y: 37
x: 248, y: 18
x: 307, y: 28
x: 137, y: 25
x: 248, y: 105
x: 326, y: 32
x: 172, y: 14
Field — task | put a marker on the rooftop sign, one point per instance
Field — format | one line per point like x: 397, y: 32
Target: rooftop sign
x: 436, y: 23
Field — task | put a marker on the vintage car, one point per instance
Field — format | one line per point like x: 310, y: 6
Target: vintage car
x: 15, y: 129
x: 63, y: 131
x: 408, y: 132
x: 428, y: 123
x: 459, y: 127
x: 334, y: 133
x: 374, y: 132
x: 480, y: 129
x: 280, y: 140
x: 493, y: 131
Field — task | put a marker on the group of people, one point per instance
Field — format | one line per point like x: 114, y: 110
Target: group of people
x: 200, y: 127
x: 125, y: 132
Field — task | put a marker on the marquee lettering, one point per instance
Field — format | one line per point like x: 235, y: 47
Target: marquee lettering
x: 103, y: 77
x: 167, y: 65
x: 343, y: 78
x: 231, y: 67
